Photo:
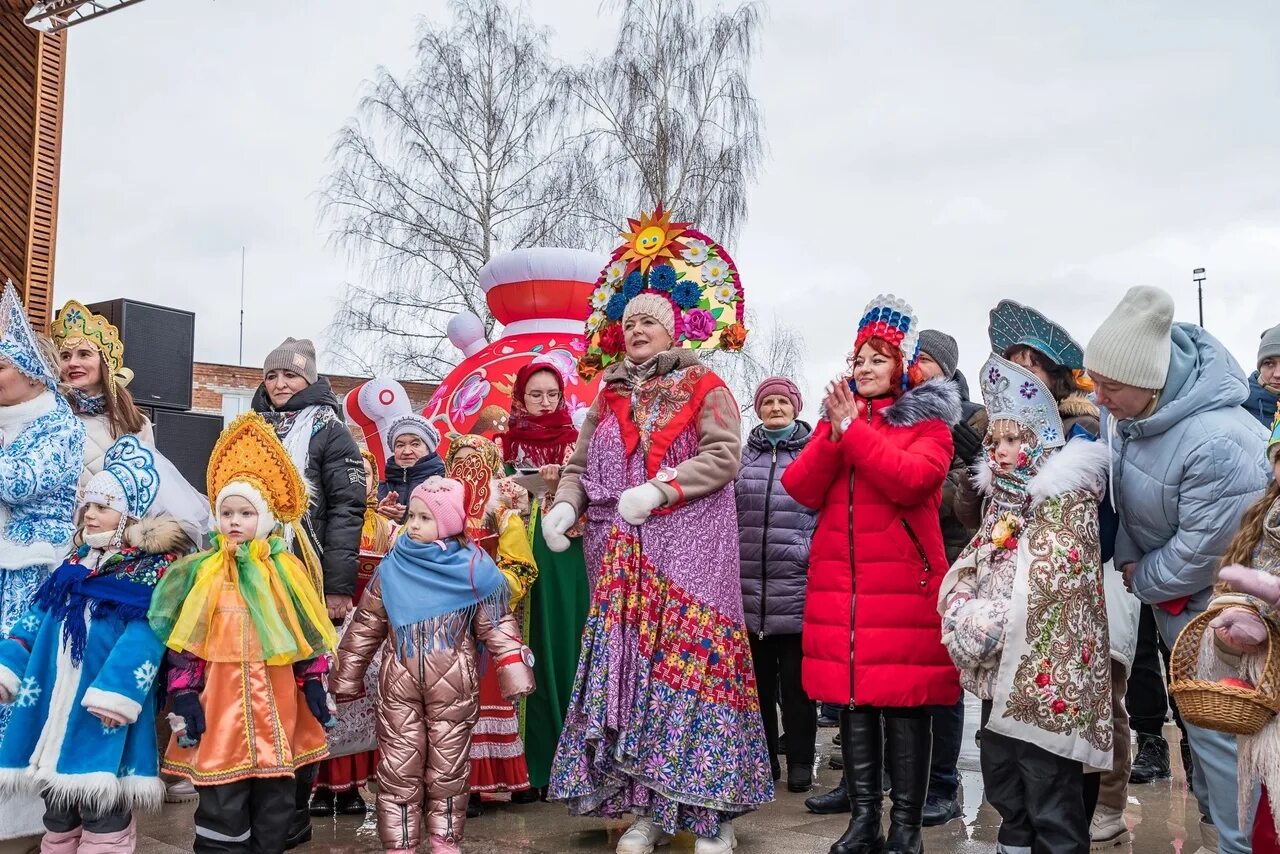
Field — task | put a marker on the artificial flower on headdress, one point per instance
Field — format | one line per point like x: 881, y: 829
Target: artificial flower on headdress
x: 18, y: 343
x: 682, y: 266
x: 76, y: 325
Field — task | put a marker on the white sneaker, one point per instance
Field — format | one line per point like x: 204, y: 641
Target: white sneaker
x: 1108, y: 830
x: 722, y: 843
x: 642, y: 837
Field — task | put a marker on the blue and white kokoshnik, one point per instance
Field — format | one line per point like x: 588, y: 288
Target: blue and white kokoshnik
x: 18, y: 345
x: 1013, y: 393
x: 1012, y: 323
x: 129, y: 480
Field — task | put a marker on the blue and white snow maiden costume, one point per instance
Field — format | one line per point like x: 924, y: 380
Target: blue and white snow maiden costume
x: 85, y: 645
x: 41, y: 453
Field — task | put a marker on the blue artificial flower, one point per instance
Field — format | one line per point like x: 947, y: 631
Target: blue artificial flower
x: 686, y: 294
x: 632, y: 285
x: 662, y: 277
x: 616, y: 306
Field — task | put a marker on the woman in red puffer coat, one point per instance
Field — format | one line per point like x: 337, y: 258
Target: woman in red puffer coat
x: 872, y: 635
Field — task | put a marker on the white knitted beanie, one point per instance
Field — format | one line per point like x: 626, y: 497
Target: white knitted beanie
x: 656, y: 306
x: 1132, y: 345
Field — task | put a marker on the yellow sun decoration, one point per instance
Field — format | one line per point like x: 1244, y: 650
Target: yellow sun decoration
x: 653, y: 238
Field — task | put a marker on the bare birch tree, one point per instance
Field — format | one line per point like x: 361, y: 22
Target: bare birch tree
x: 776, y: 351
x: 466, y: 155
x: 671, y: 117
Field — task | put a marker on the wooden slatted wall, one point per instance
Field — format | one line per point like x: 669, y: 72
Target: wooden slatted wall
x: 32, y: 67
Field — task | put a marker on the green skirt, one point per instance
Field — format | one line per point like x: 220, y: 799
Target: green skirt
x: 557, y: 612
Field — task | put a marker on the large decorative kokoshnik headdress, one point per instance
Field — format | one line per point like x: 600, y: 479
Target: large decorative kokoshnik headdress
x: 1013, y: 393
x: 77, y: 325
x: 248, y: 452
x: 675, y: 263
x: 18, y: 343
x: 1012, y: 323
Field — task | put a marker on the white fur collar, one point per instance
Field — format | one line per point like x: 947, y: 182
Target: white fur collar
x: 13, y: 419
x: 1080, y: 465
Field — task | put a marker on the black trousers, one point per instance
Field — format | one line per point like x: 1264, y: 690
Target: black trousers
x: 245, y: 816
x: 1147, y: 698
x: 1039, y: 795
x: 306, y: 781
x: 948, y: 733
x: 777, y: 664
x: 64, y: 817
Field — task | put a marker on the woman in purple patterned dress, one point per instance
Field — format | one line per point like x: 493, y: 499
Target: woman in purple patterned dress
x: 664, y: 721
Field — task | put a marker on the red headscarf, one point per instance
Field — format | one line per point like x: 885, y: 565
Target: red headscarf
x: 537, y: 440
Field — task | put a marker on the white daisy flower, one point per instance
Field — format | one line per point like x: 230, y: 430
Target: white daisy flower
x: 725, y: 293
x: 715, y: 271
x: 615, y: 271
x: 695, y: 252
x: 600, y: 296
x: 594, y: 321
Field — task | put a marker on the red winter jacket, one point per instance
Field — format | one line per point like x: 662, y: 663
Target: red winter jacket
x: 878, y: 491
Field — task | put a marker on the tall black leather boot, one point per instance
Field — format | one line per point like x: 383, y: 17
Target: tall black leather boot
x: 909, y: 742
x: 861, y: 745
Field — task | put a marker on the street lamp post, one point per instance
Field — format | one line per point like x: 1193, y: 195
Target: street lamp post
x: 1197, y: 276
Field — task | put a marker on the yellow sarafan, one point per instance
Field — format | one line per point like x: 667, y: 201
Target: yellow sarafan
x: 249, y: 451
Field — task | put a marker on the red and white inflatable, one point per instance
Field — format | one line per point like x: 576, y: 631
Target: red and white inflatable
x: 542, y: 298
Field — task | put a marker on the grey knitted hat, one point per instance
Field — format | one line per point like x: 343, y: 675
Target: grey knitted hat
x: 295, y: 354
x: 943, y: 349
x: 1133, y: 345
x: 1270, y: 344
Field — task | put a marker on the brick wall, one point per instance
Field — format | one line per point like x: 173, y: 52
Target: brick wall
x: 211, y: 382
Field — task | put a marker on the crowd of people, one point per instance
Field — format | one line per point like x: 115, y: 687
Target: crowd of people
x: 643, y: 614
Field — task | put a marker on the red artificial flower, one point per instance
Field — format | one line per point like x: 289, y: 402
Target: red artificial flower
x: 611, y: 340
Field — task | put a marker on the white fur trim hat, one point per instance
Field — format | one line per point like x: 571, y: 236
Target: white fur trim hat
x: 1133, y: 345
x: 266, y: 522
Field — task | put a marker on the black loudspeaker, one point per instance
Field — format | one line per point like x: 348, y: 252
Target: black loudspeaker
x: 187, y: 439
x: 159, y: 346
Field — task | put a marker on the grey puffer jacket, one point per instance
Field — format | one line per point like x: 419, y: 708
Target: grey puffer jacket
x: 774, y: 535
x: 1183, y: 476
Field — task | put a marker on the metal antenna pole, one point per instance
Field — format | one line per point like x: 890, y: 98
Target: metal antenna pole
x: 1197, y: 276
x: 240, y: 360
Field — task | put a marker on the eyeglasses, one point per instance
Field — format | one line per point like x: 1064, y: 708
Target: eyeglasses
x: 540, y: 396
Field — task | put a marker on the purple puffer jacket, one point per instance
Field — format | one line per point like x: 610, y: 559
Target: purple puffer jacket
x: 774, y: 535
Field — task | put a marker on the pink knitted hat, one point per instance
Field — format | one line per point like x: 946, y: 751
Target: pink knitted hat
x: 783, y: 386
x: 444, y: 498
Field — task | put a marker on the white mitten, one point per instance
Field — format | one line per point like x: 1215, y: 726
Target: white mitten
x: 637, y: 503
x: 555, y: 523
x: 1252, y: 582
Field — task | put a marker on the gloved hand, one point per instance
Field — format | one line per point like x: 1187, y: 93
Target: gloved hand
x: 555, y: 523
x: 1239, y: 629
x: 318, y: 702
x: 1252, y: 582
x: 186, y: 705
x: 967, y: 441
x: 638, y: 503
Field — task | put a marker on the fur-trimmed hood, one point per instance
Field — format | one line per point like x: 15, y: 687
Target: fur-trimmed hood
x: 158, y: 535
x: 1081, y: 465
x: 936, y: 398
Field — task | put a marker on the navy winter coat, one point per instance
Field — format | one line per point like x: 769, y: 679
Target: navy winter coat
x: 774, y: 535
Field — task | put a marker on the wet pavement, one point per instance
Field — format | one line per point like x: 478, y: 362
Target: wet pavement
x: 1162, y: 815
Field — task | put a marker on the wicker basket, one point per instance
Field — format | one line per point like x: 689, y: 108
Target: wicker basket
x: 1241, y: 711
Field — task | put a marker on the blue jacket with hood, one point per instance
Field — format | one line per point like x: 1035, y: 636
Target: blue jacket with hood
x: 1183, y: 476
x: 1261, y: 403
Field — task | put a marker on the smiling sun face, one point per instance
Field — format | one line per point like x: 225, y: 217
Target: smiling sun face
x: 652, y: 239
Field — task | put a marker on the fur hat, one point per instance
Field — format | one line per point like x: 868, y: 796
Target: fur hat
x: 779, y: 385
x: 1133, y: 345
x: 295, y: 354
x: 444, y: 499
x: 656, y: 306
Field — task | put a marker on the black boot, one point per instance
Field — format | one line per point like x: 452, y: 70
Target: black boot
x: 830, y: 803
x: 909, y: 742
x: 1152, y: 761
x: 322, y: 801
x: 349, y: 802
x: 862, y: 746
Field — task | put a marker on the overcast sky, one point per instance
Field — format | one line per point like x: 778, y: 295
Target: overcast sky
x: 952, y: 153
